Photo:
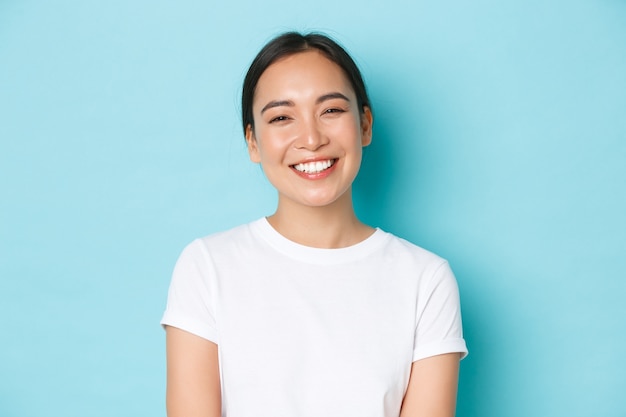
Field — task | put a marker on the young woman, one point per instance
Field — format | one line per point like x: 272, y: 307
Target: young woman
x: 310, y: 312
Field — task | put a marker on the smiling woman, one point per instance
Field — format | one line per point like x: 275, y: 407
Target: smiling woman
x: 307, y: 121
x: 310, y: 312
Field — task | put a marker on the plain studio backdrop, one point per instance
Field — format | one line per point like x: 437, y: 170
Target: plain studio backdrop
x: 500, y: 144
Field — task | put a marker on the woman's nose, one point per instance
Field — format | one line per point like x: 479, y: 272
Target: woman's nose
x: 311, y: 137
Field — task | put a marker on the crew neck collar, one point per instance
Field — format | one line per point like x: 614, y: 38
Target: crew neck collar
x: 308, y: 254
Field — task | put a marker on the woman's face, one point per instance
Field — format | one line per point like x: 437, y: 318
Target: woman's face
x: 309, y: 132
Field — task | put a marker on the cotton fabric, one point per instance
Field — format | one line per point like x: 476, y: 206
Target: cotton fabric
x: 314, y: 332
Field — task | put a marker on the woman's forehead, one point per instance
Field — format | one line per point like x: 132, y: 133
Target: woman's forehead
x: 309, y: 70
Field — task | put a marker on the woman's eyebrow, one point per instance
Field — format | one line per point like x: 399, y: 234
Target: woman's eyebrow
x: 289, y: 103
x: 331, y: 96
x: 277, y: 103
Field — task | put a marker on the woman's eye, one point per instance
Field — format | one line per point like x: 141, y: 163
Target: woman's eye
x: 279, y: 119
x: 334, y: 110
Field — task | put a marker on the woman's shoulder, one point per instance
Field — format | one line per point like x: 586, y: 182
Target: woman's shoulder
x: 223, y: 239
x: 404, y: 245
x: 404, y: 250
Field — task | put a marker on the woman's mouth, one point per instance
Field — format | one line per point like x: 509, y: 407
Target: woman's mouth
x: 314, y: 167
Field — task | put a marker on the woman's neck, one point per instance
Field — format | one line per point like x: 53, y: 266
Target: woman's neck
x: 332, y: 226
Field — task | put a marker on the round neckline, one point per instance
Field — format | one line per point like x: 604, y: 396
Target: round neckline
x: 322, y: 256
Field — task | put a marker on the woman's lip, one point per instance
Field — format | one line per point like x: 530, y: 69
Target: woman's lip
x: 314, y: 159
x: 330, y: 161
x: 316, y: 175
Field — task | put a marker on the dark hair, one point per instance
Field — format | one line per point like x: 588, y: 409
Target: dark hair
x: 291, y: 43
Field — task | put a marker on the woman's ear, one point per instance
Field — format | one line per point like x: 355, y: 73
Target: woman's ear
x: 367, y: 122
x: 253, y: 149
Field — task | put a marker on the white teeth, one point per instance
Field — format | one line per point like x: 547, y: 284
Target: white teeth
x: 314, y: 167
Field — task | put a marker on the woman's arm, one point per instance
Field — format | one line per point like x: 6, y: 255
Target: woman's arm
x: 193, y: 377
x: 432, y: 387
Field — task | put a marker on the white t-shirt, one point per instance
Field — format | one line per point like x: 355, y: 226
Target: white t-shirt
x: 314, y: 332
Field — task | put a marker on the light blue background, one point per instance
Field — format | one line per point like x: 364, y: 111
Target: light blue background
x: 500, y: 143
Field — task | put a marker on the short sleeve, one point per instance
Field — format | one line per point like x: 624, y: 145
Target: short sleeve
x: 189, y: 302
x: 439, y: 329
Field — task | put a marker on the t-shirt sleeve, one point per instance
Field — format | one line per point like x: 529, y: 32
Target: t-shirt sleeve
x: 189, y: 303
x: 439, y: 329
